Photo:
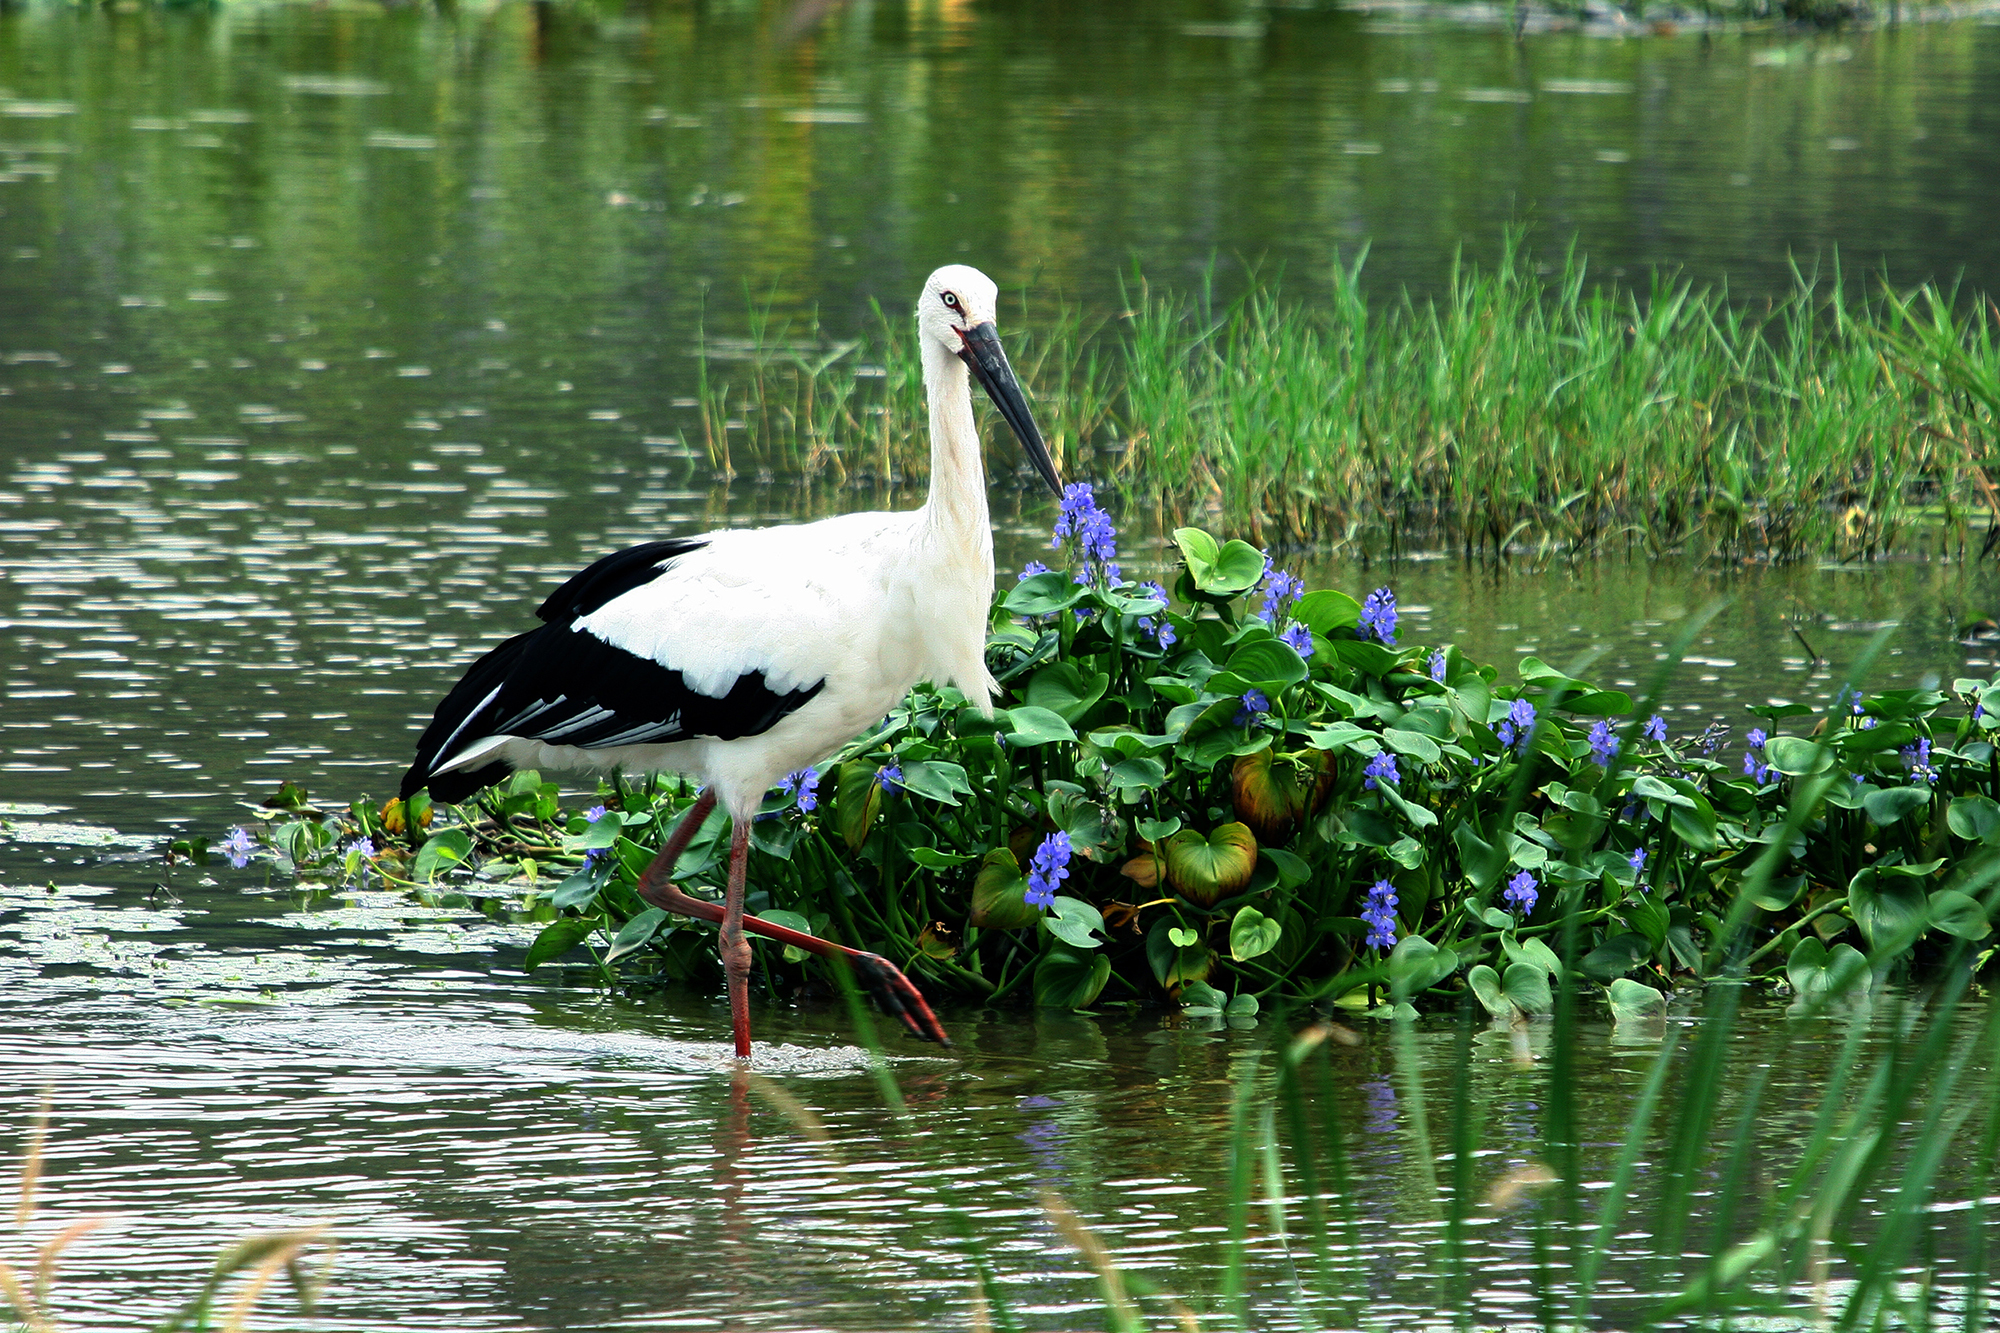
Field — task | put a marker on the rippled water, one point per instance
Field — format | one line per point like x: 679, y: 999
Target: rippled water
x: 329, y: 337
x: 496, y: 1154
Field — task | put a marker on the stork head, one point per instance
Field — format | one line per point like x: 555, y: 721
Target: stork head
x: 957, y: 310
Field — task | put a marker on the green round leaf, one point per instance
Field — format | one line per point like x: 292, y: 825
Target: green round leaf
x: 634, y: 933
x: 1206, y: 870
x: 1887, y: 907
x: 1252, y: 933
x: 1074, y: 922
x: 1241, y: 1006
x: 1633, y: 1001
x: 1000, y: 894
x: 1325, y: 611
x: 1485, y: 984
x: 1959, y: 914
x: 441, y: 852
x: 1796, y: 757
x: 1974, y: 818
x: 1044, y: 594
x: 1886, y: 805
x: 1176, y: 955
x: 1068, y: 979
x: 1032, y: 725
x: 1269, y: 665
x: 1527, y: 986
x: 1066, y: 690
x: 576, y: 891
x: 558, y: 938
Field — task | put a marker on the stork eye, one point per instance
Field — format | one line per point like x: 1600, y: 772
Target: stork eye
x: 951, y: 300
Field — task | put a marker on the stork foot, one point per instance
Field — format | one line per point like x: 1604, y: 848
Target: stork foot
x: 897, y: 996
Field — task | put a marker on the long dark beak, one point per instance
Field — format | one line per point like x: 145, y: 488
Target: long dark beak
x: 981, y: 351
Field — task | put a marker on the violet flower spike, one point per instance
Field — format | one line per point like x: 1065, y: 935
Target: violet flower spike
x: 804, y: 785
x: 1048, y: 869
x: 1281, y: 589
x: 1381, y: 768
x: 239, y: 847
x: 1254, y: 705
x: 1517, y: 729
x: 1603, y: 745
x: 1379, y: 912
x: 1378, y: 615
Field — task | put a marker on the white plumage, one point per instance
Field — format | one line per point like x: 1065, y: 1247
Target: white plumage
x: 743, y: 655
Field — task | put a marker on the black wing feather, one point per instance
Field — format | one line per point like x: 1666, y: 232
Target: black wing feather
x: 568, y: 687
x: 613, y: 576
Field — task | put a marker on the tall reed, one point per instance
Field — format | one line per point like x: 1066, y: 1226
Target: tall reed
x: 1513, y: 410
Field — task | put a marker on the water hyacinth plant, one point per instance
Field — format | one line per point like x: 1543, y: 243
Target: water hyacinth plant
x: 1174, y: 792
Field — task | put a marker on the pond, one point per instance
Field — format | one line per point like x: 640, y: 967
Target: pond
x: 330, y: 337
x: 498, y: 1154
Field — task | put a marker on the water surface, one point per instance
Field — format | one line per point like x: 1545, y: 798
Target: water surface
x: 499, y: 1153
x: 331, y: 337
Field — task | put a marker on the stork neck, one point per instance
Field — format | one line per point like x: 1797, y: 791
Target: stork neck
x: 957, y: 502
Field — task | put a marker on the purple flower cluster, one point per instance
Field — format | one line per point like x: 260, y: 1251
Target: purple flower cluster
x: 1655, y: 729
x: 1917, y: 758
x: 1381, y: 768
x: 1380, y: 915
x: 1299, y: 639
x: 1521, y: 893
x: 1254, y: 705
x: 239, y: 847
x: 1049, y: 868
x: 1090, y: 527
x: 1437, y: 665
x: 890, y: 778
x: 1378, y: 615
x: 1029, y: 570
x: 1281, y: 588
x: 1754, y: 765
x: 1603, y: 745
x: 1518, y: 727
x: 1162, y: 632
x: 365, y: 846
x: 804, y: 786
x: 595, y: 813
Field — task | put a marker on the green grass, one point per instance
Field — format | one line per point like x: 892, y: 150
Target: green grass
x: 1514, y: 410
x: 1816, y: 1208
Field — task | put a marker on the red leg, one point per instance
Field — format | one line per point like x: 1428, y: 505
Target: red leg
x: 736, y: 949
x: 892, y: 990
x: 662, y: 868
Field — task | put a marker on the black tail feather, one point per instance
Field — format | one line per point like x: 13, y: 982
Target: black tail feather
x: 457, y: 720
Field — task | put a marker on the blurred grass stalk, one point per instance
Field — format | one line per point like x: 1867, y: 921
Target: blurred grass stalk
x: 1514, y: 411
x: 26, y: 1295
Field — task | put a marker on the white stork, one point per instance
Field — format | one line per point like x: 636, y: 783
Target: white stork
x: 740, y: 656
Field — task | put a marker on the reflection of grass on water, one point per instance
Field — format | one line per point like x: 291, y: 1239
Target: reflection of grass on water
x: 28, y: 1291
x: 1823, y: 1214
x: 1510, y: 411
